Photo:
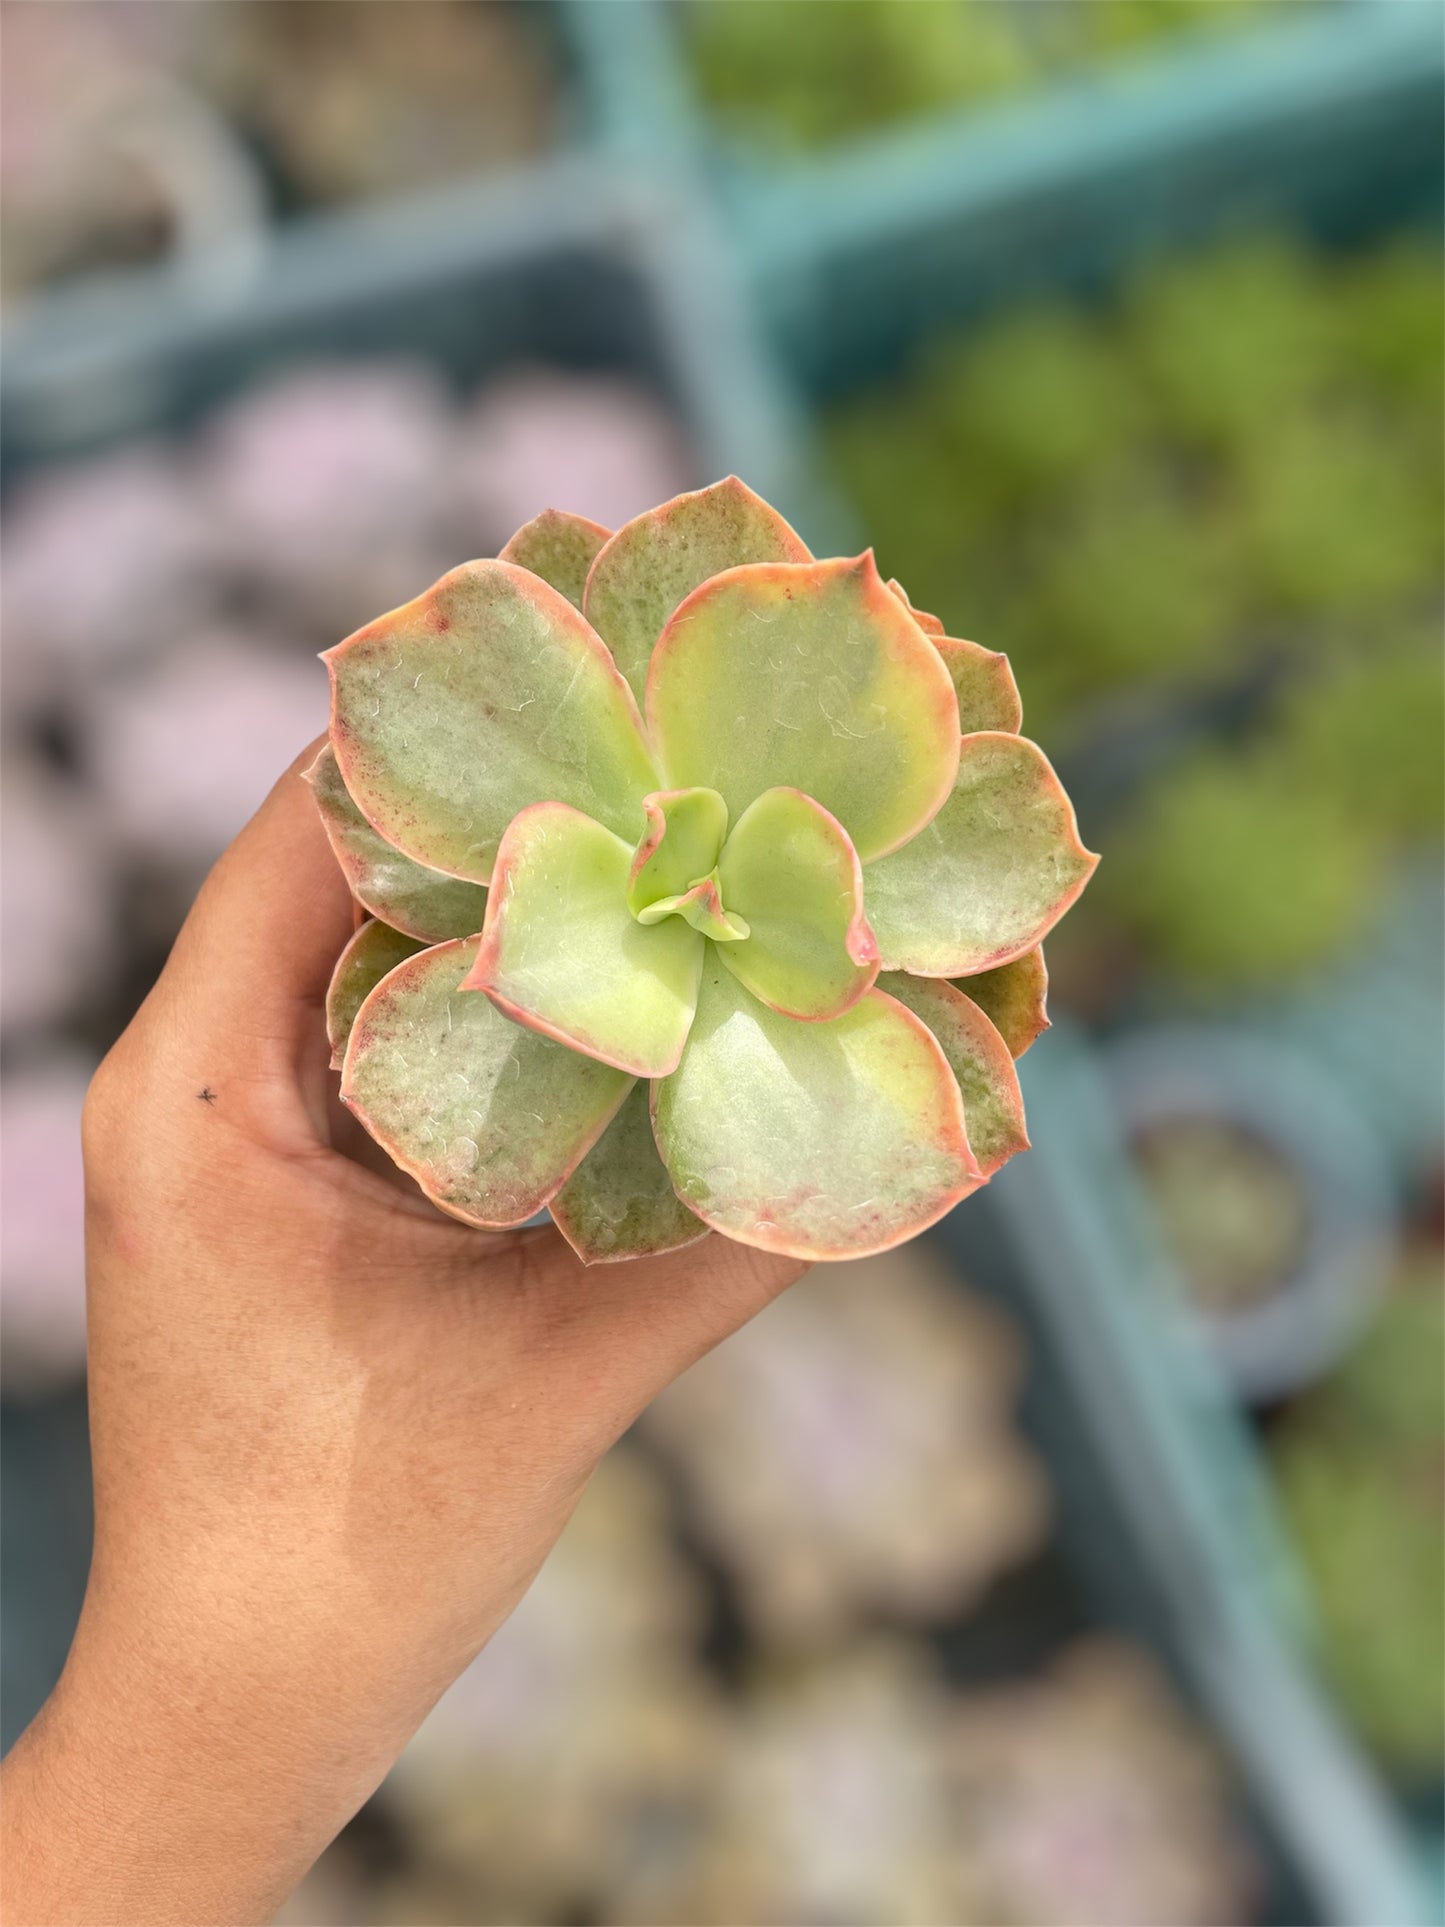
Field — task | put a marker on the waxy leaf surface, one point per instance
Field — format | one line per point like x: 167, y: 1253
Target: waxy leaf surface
x: 789, y: 871
x: 930, y: 625
x: 1014, y: 998
x: 562, y: 952
x: 993, y: 1105
x: 988, y: 696
x: 990, y: 875
x: 619, y: 1202
x: 680, y: 846
x: 814, y: 677
x: 374, y: 950
x: 558, y: 547
x: 424, y: 903
x: 489, y: 1117
x: 653, y: 562
x: 485, y: 695
x: 825, y: 1140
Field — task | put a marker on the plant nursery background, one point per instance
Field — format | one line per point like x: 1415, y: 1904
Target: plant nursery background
x: 1081, y: 1565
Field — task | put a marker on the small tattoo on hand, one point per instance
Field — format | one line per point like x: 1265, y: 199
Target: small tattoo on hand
x: 207, y: 1096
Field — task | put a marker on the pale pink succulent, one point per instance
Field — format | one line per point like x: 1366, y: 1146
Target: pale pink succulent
x: 690, y: 837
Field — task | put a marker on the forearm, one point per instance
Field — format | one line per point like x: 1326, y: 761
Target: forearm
x: 198, y: 1795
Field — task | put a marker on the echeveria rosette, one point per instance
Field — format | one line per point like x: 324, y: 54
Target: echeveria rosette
x: 639, y: 818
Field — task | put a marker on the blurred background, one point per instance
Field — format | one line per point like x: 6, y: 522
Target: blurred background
x: 1081, y: 1565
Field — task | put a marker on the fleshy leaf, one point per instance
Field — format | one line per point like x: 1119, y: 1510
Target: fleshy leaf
x: 983, y: 681
x: 789, y: 871
x: 702, y: 907
x: 811, y: 676
x: 424, y: 903
x: 653, y: 562
x: 990, y: 875
x: 822, y: 1140
x: 619, y: 1202
x: 558, y: 547
x: 489, y: 1117
x: 930, y: 625
x: 374, y: 949
x: 681, y: 844
x: 485, y: 695
x: 1013, y: 998
x: 561, y: 951
x: 988, y: 696
x: 993, y: 1105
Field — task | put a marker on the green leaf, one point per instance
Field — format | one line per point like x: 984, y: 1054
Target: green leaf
x: 789, y: 871
x: 681, y: 845
x: 988, y: 696
x: 486, y: 694
x: 561, y: 951
x: 983, y: 681
x: 372, y: 952
x: 993, y: 1105
x: 814, y: 677
x: 619, y: 1202
x: 1013, y: 998
x: 826, y: 1140
x: 558, y: 547
x: 424, y: 903
x: 653, y: 562
x: 489, y: 1117
x: 990, y: 875
x: 702, y: 907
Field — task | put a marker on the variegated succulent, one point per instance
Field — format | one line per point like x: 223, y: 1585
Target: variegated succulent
x: 676, y: 845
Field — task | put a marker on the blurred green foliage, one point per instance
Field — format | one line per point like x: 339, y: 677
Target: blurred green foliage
x: 1236, y: 466
x: 1361, y: 1465
x: 802, y: 74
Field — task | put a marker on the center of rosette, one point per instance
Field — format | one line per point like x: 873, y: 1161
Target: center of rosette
x: 674, y: 869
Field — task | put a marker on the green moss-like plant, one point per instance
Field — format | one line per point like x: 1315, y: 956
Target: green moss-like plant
x: 683, y: 806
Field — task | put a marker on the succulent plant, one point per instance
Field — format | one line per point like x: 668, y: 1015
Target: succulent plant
x: 825, y: 787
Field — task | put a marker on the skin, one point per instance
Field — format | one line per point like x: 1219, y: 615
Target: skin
x: 334, y: 1434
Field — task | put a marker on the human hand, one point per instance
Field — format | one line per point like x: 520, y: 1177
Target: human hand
x: 334, y: 1433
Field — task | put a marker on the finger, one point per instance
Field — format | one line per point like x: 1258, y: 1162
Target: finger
x: 252, y: 963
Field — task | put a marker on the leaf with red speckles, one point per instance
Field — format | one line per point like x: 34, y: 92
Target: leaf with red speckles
x: 810, y: 676
x: 658, y: 558
x: 558, y: 547
x: 827, y: 1140
x: 424, y: 903
x: 373, y: 951
x: 489, y: 1117
x: 790, y: 873
x: 619, y: 1202
x: 993, y: 1105
x: 983, y: 681
x: 562, y: 952
x: 990, y: 875
x: 485, y: 695
x: 1014, y: 998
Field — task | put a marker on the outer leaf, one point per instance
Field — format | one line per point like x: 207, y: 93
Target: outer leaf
x: 558, y: 547
x: 681, y: 844
x: 489, y: 1117
x: 485, y: 695
x: 408, y: 896
x: 930, y: 625
x: 651, y: 563
x: 988, y: 696
x: 561, y: 951
x: 811, y: 676
x: 992, y: 873
x: 993, y: 1105
x: 822, y: 1140
x: 789, y: 871
x: 619, y: 1202
x: 372, y: 952
x: 1013, y: 998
